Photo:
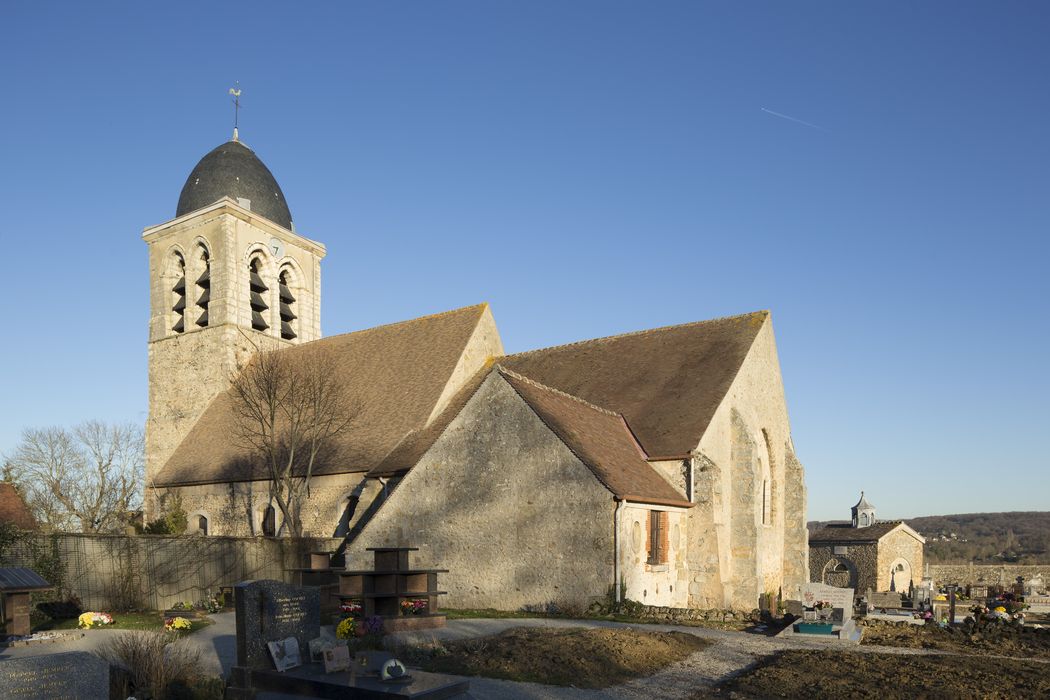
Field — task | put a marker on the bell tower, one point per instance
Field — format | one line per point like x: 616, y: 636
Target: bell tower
x: 228, y: 276
x: 863, y: 513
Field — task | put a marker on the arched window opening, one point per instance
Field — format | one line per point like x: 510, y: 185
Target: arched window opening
x: 256, y: 287
x: 840, y: 568
x: 287, y: 301
x: 202, y: 525
x: 179, y: 291
x: 269, y: 522
x: 204, y: 286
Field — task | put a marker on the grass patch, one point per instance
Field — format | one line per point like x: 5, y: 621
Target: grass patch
x: 583, y: 658
x: 488, y: 613
x: 149, y: 621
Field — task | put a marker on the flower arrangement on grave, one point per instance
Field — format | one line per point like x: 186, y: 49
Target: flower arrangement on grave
x: 416, y: 606
x: 94, y: 619
x: 351, y: 607
x: 187, y: 605
x: 177, y: 624
x: 370, y: 633
x: 347, y: 629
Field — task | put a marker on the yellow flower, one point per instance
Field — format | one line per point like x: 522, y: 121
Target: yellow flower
x: 1000, y: 609
x: 346, y: 629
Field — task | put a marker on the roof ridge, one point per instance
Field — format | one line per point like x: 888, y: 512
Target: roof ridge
x: 557, y: 392
x: 645, y: 331
x: 449, y: 312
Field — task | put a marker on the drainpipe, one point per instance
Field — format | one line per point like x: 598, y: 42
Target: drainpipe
x: 690, y: 481
x: 617, y: 517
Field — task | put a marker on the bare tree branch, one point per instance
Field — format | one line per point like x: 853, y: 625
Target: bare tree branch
x: 289, y: 414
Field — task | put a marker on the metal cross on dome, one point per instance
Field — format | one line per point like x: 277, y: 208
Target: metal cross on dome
x: 236, y: 92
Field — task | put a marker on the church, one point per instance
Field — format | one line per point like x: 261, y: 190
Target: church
x: 656, y: 465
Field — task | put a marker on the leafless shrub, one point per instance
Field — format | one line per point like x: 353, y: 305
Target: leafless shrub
x: 157, y: 664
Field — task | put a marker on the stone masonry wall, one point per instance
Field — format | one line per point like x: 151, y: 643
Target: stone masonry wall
x: 735, y: 554
x: 861, y: 558
x: 895, y: 546
x: 236, y: 509
x: 502, y: 504
x: 1001, y: 574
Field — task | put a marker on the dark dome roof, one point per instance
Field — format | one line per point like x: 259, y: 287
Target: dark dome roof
x: 233, y: 170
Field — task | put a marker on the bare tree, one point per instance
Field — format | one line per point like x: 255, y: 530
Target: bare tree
x: 86, y: 479
x: 289, y: 412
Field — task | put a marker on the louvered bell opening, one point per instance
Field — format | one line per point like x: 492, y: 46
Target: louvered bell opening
x: 205, y: 297
x: 285, y: 293
x: 257, y: 302
x: 256, y: 283
x: 180, y: 286
x: 205, y: 279
x: 180, y: 305
x: 203, y: 320
x: 286, y: 312
x: 258, y: 322
x: 179, y: 326
x: 286, y: 331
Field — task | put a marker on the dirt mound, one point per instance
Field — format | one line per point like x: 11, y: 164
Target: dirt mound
x: 829, y: 675
x: 997, y: 639
x: 584, y: 658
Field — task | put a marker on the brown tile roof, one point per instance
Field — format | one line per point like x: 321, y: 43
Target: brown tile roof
x: 13, y: 508
x: 414, y: 445
x: 602, y: 441
x: 667, y: 382
x: 846, y: 533
x: 396, y: 374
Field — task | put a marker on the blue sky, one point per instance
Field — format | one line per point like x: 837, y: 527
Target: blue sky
x: 588, y: 168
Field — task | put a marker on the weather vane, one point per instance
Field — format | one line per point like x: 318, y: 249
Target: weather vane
x: 236, y: 92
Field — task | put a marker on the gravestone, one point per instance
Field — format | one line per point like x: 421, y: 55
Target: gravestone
x: 72, y: 675
x: 841, y: 599
x: 268, y: 611
x: 885, y: 599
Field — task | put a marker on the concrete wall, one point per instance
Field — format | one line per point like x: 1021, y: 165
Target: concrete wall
x: 505, y: 506
x: 110, y: 572
x: 236, y: 509
x: 744, y: 457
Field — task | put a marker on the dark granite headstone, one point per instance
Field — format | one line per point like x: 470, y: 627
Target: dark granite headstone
x: 268, y: 611
x: 72, y: 675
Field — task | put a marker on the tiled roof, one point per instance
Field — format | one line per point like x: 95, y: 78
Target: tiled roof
x: 848, y: 533
x: 13, y: 509
x: 602, y: 441
x: 414, y: 445
x: 667, y: 382
x: 395, y: 375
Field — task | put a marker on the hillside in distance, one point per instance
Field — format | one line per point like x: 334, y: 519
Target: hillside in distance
x: 983, y: 538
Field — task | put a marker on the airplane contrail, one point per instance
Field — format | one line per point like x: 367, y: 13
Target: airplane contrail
x: 792, y: 119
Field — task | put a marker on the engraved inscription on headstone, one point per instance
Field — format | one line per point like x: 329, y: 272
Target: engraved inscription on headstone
x: 72, y: 675
x: 268, y: 611
x: 841, y: 599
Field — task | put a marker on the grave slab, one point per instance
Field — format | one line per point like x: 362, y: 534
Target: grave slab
x: 310, y: 681
x: 71, y: 675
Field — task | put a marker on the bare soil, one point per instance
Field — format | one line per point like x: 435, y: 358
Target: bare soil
x: 579, y: 657
x: 998, y: 640
x: 832, y: 675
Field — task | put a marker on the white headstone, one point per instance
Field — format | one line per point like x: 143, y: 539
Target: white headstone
x: 841, y: 599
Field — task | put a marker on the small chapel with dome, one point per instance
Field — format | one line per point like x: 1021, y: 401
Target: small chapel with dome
x: 658, y: 464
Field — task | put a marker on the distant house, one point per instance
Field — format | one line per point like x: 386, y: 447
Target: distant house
x: 13, y: 508
x: 866, y: 553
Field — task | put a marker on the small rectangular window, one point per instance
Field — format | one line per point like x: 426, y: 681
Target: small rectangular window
x: 657, y: 537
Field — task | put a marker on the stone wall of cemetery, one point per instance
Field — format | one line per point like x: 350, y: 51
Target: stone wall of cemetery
x: 115, y: 572
x: 989, y: 574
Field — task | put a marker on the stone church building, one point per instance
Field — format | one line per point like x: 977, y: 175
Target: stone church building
x: 657, y: 464
x: 866, y: 553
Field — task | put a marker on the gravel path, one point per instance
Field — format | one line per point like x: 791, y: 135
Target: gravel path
x: 730, y: 653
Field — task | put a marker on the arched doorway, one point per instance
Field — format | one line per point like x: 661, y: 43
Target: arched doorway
x: 900, y: 576
x: 840, y: 574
